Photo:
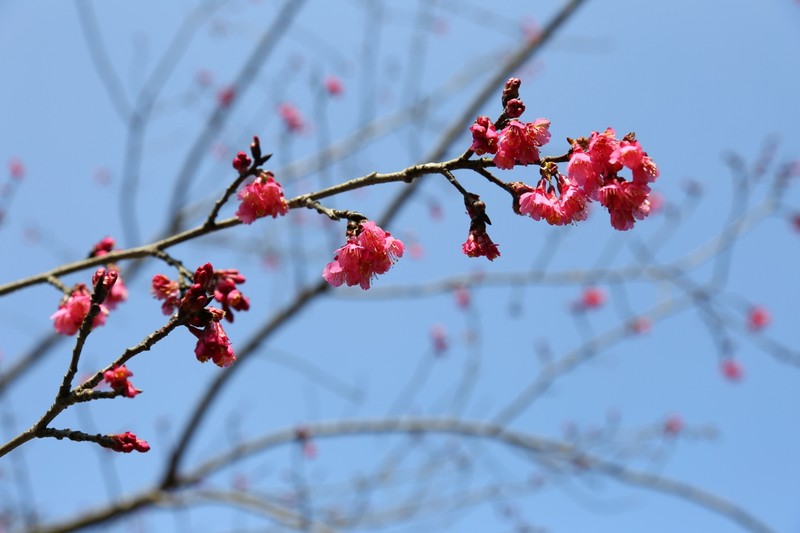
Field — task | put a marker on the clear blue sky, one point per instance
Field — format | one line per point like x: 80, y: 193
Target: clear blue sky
x: 695, y: 80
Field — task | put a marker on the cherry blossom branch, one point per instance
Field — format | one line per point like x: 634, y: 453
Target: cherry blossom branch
x: 155, y: 249
x: 450, y: 136
x: 98, y: 296
x: 84, y: 391
x: 269, y: 39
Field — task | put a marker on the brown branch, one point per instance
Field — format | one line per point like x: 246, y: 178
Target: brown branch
x: 542, y: 449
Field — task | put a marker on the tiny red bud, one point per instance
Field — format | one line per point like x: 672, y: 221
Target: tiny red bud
x: 241, y: 162
x: 514, y: 108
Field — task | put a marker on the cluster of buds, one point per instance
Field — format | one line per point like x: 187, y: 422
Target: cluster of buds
x: 126, y: 443
x: 202, y: 320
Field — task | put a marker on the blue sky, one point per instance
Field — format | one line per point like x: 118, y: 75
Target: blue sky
x: 697, y: 81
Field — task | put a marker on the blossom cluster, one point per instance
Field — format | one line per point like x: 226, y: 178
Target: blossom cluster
x: 369, y: 251
x: 261, y: 198
x: 516, y: 144
x: 593, y: 173
x: 594, y: 167
x: 202, y: 320
x: 75, y: 306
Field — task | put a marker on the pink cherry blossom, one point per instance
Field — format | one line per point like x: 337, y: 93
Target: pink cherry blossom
x: 758, y: 318
x: 227, y: 293
x: 168, y: 290
x: 105, y: 245
x: 479, y: 244
x: 117, y: 378
x: 333, y: 86
x: 601, y: 147
x: 73, y: 310
x: 16, y: 169
x: 543, y: 203
x: 369, y: 253
x: 591, y: 298
x: 517, y: 145
x: 213, y: 343
x: 732, y: 370
x: 292, y: 118
x: 262, y: 198
x: 626, y: 202
x: 484, y: 136
x: 584, y: 172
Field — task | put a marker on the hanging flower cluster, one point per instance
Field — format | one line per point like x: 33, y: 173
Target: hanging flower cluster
x: 203, y: 321
x: 261, y: 198
x: 369, y: 251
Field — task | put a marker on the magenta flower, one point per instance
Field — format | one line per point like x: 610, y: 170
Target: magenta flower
x: 168, y: 290
x: 333, y: 86
x: 543, y: 203
x: 227, y: 293
x: 584, y: 172
x: 262, y: 198
x: 758, y: 318
x: 292, y: 118
x: 16, y: 169
x: 105, y: 245
x: 732, y: 370
x: 519, y: 143
x: 626, y: 202
x: 213, y: 343
x: 601, y: 147
x: 369, y: 253
x: 484, y: 136
x: 592, y: 298
x: 479, y: 244
x: 73, y: 309
x: 117, y: 378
